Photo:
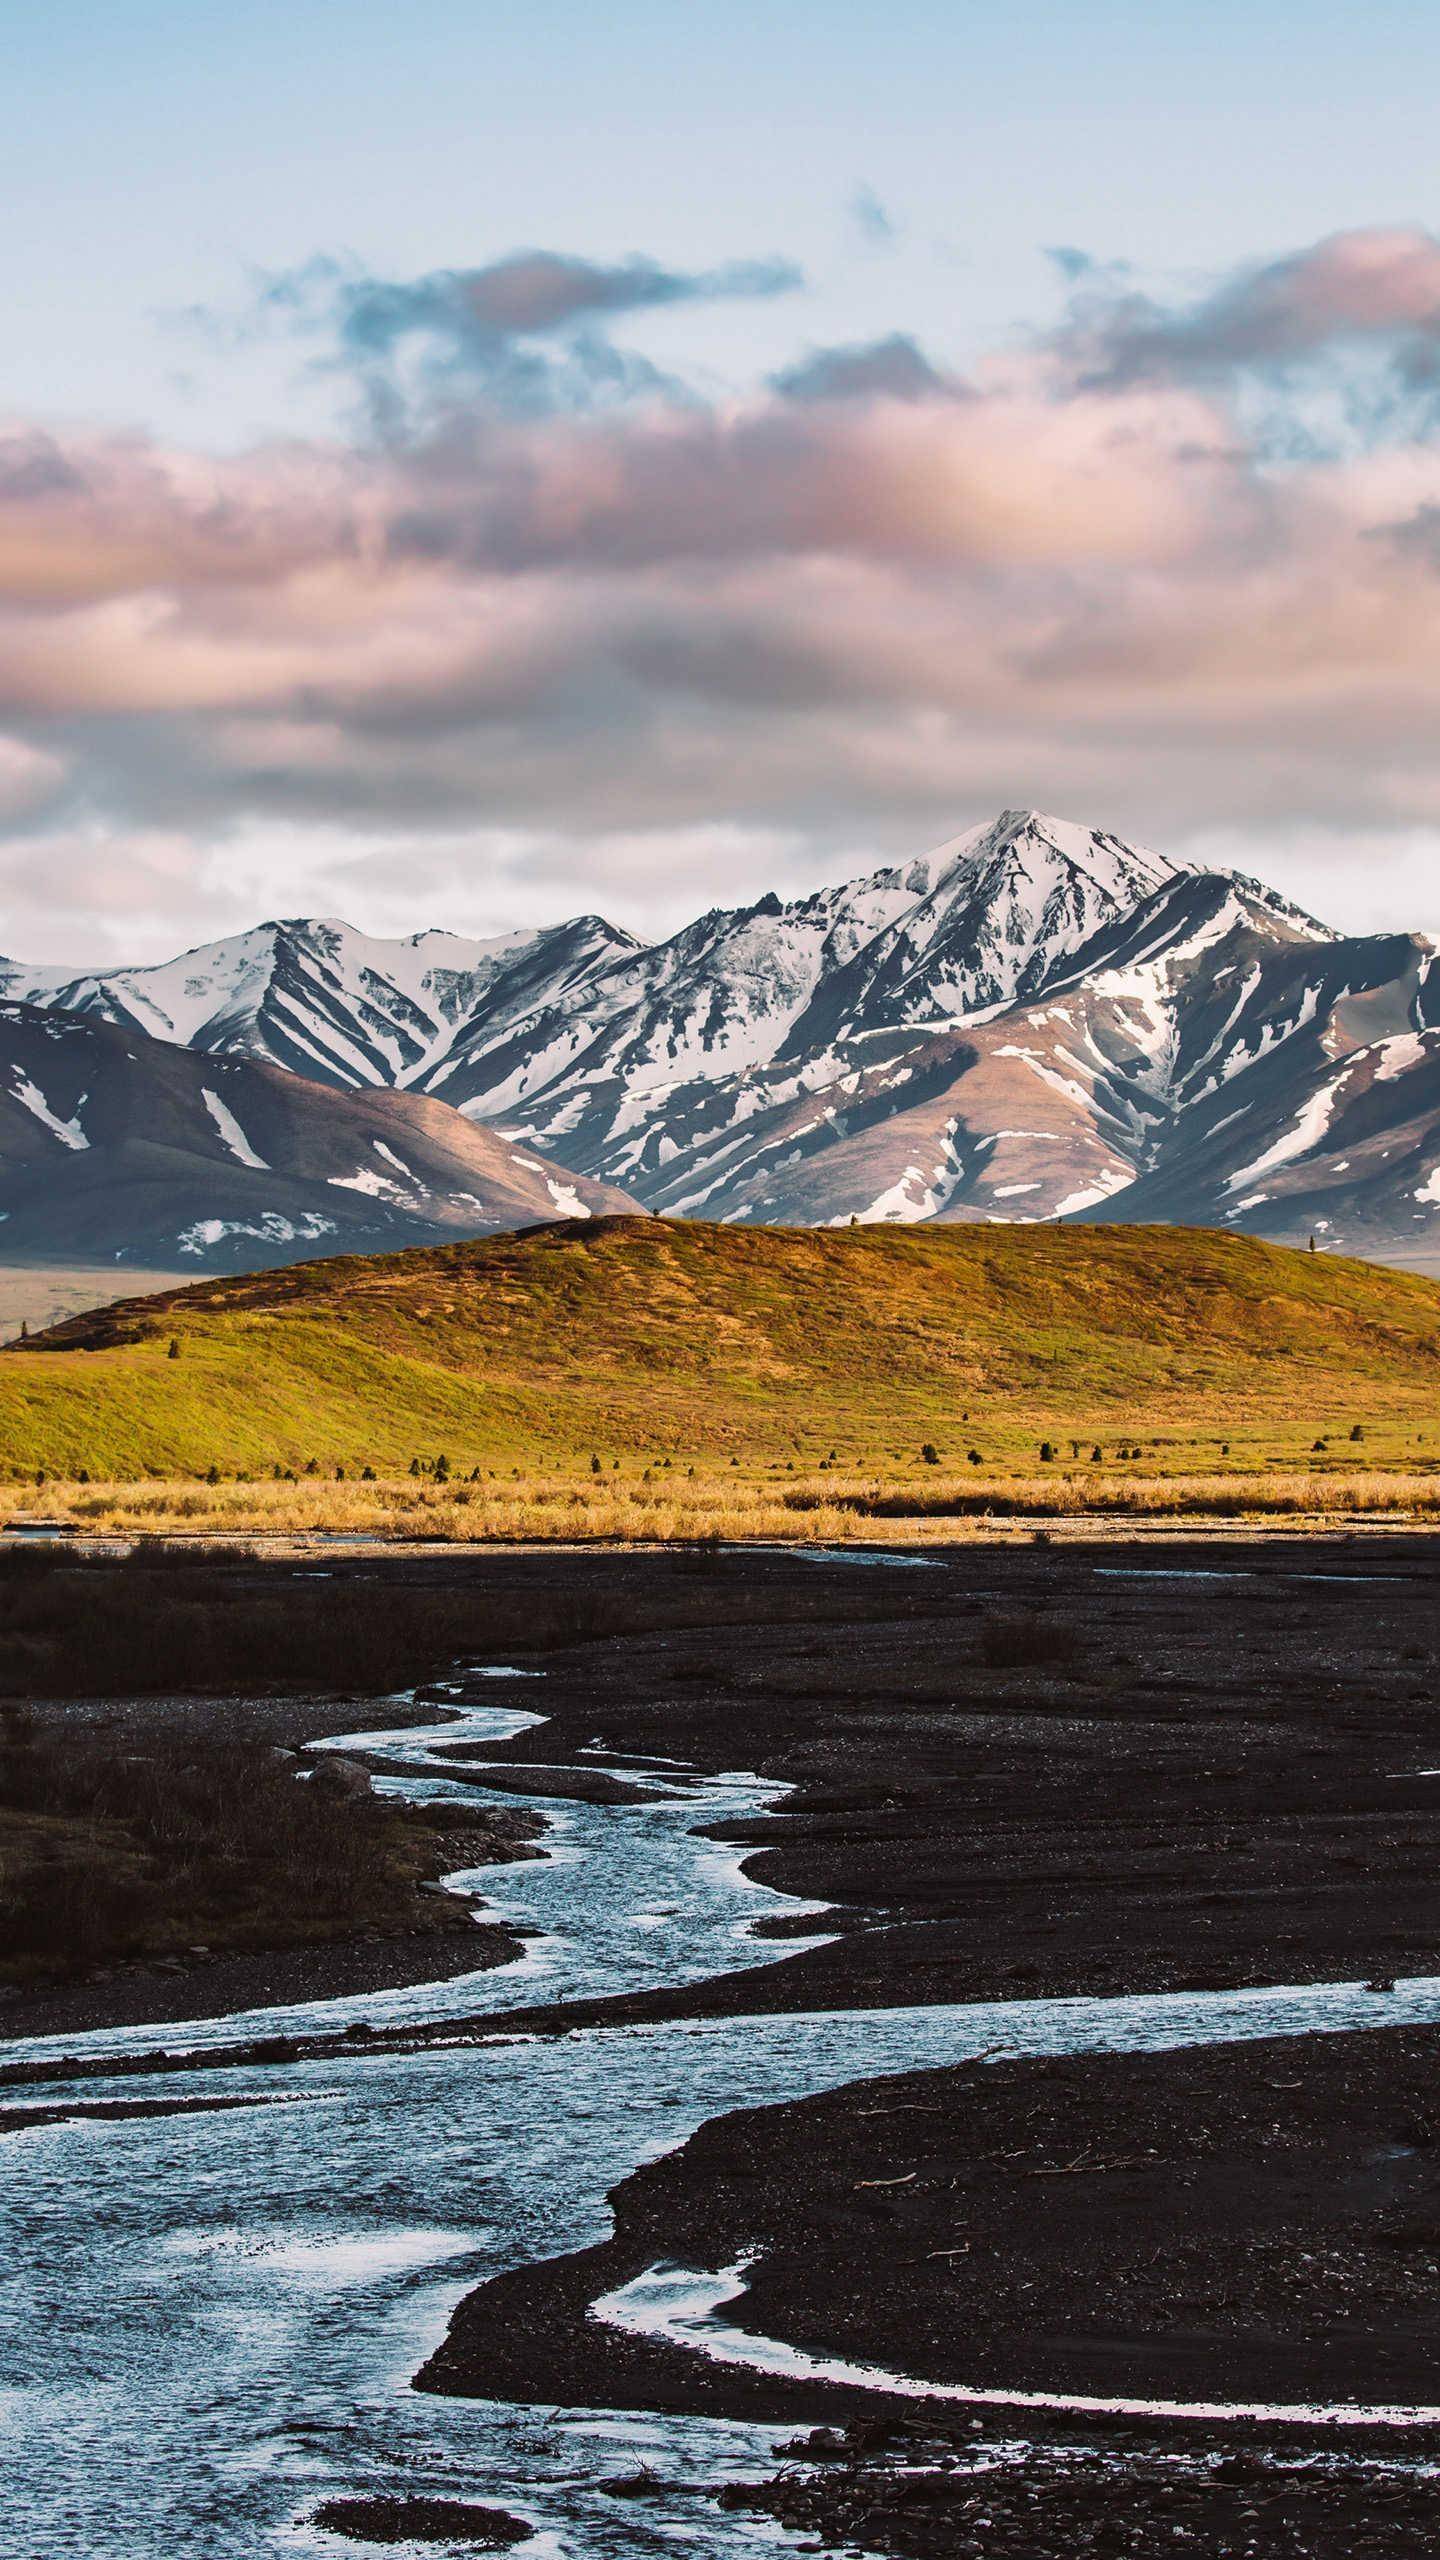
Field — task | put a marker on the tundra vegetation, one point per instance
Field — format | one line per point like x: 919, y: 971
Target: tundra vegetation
x: 636, y: 1378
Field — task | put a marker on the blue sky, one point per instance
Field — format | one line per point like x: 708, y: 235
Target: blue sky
x: 153, y: 155
x: 918, y: 166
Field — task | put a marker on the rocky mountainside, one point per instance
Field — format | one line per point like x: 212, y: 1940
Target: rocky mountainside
x: 1037, y: 1021
x: 331, y: 1003
x: 115, y: 1148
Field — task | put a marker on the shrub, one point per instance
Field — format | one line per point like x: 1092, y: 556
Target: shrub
x: 168, y: 1841
x: 929, y: 1454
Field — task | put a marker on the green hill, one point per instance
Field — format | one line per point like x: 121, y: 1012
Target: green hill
x: 636, y: 1337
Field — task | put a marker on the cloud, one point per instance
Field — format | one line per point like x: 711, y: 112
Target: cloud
x: 844, y: 612
x: 30, y: 780
x: 874, y: 223
x: 893, y: 368
x: 32, y: 465
x: 531, y: 330
x: 1358, y: 293
x: 1417, y: 536
x: 534, y: 293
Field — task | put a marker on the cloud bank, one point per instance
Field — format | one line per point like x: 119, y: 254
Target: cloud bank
x: 544, y: 604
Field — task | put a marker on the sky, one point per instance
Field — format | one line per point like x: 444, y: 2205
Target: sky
x: 472, y: 465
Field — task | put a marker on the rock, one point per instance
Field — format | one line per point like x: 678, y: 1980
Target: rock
x: 339, y: 1777
x: 447, y: 2520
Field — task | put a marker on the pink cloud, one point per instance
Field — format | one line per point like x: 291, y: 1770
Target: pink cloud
x: 871, y: 612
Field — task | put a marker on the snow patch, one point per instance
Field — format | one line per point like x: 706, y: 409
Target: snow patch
x: 69, y: 1132
x: 376, y: 1186
x: 231, y: 1131
x: 567, y: 1199
x: 269, y: 1229
x: 1103, y: 1188
x: 1398, y: 1055
x: 1305, y: 1132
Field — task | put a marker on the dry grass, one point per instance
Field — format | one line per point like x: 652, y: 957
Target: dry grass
x: 108, y: 1852
x: 827, y: 1509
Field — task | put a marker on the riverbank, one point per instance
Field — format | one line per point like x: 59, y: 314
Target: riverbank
x: 1253, y: 2227
x: 1034, y: 1771
x: 185, y: 1857
x: 925, y: 2496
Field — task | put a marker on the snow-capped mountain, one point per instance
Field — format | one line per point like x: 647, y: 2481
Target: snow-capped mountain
x: 1037, y: 1021
x: 328, y: 1002
x: 118, y: 1148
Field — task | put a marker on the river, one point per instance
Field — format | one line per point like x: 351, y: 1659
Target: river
x: 212, y: 2319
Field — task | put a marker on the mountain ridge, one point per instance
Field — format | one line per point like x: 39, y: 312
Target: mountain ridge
x: 1036, y: 1021
x: 118, y: 1148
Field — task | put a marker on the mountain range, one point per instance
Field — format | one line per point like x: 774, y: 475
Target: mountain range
x: 1037, y: 1021
x: 118, y: 1148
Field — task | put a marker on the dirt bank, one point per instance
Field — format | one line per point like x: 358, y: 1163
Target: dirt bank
x: 1255, y: 2223
x: 1036, y: 1769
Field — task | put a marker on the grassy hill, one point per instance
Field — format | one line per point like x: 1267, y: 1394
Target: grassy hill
x: 783, y: 1351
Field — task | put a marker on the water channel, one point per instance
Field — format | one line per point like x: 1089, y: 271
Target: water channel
x: 212, y: 2318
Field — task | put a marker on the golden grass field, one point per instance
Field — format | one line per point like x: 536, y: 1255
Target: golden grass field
x: 828, y: 1510
x: 642, y: 1379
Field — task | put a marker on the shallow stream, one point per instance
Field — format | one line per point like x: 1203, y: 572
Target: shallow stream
x: 212, y: 2319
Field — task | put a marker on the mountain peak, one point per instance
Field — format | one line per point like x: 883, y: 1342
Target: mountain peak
x: 1040, y: 1020
x: 1031, y: 838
